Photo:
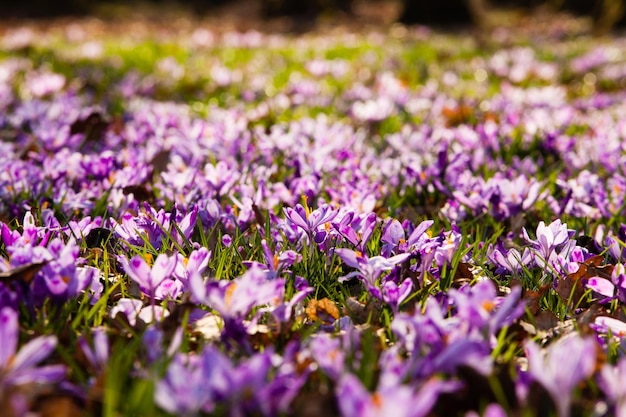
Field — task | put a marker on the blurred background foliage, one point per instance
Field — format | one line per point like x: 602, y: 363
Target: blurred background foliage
x: 605, y: 14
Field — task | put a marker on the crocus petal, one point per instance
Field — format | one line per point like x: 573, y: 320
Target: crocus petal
x: 384, y: 264
x: 511, y: 308
x: 101, y: 346
x: 405, y: 289
x: 41, y: 375
x: 33, y: 352
x: 199, y: 259
x: 130, y: 307
x: 86, y: 349
x: 494, y: 410
x: 604, y: 324
x: 8, y: 335
x: 153, y: 313
x: 419, y: 231
x: 349, y: 257
x: 354, y: 397
x: 368, y: 229
x: 423, y: 402
x: 297, y: 217
x: 393, y: 232
x: 83, y: 278
x: 197, y: 287
x: 349, y: 276
x: 163, y: 268
x: 390, y: 293
x: 601, y: 286
x: 138, y: 270
x: 55, y: 283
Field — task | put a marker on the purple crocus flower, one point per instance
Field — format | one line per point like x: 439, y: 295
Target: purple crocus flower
x: 608, y: 326
x: 184, y: 225
x: 31, y: 234
x: 152, y: 280
x: 401, y: 400
x: 236, y: 298
x: 19, y: 367
x: 393, y: 235
x: 612, y: 380
x: 357, y: 231
x: 309, y: 221
x: 192, y: 383
x: 59, y: 278
x: 394, y: 294
x: 98, y: 356
x: 275, y: 263
x: 548, y: 239
x: 511, y: 261
x: 419, y: 235
x: 283, y: 312
x: 561, y: 367
x: 328, y: 354
x: 368, y: 269
x: 480, y: 306
x: 134, y: 309
x: 196, y: 262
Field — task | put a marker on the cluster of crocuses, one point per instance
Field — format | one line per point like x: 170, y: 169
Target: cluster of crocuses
x: 369, y: 235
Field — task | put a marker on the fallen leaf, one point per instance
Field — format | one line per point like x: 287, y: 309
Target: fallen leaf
x: 571, y: 288
x: 323, y: 310
x: 24, y: 273
x: 462, y: 275
x: 140, y: 192
x: 93, y: 127
x: 532, y: 298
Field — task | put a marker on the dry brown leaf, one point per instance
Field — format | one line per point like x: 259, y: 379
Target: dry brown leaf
x: 532, y: 298
x: 571, y: 288
x: 323, y: 310
x: 25, y: 273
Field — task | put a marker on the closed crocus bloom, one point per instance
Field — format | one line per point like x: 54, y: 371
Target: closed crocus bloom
x: 561, y: 367
x: 548, y: 239
x: 612, y: 380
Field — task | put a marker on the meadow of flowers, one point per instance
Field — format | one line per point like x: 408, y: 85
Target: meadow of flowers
x: 394, y: 223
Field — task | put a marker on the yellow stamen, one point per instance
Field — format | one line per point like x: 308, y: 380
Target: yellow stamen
x: 275, y: 262
x: 377, y: 400
x: 489, y: 305
x: 307, y: 209
x: 228, y: 297
x: 148, y: 258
